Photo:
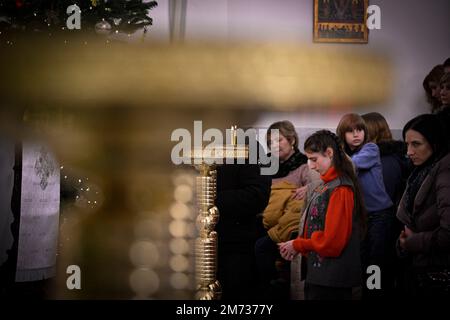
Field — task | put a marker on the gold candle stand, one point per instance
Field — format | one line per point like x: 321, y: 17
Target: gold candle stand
x: 207, y: 285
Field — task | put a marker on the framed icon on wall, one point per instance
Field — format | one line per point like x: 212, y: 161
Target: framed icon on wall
x: 340, y: 21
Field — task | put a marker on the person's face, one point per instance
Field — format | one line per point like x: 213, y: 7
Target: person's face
x: 447, y: 69
x: 282, y: 148
x: 320, y: 162
x: 419, y: 149
x: 435, y: 89
x: 354, y: 138
x: 445, y: 93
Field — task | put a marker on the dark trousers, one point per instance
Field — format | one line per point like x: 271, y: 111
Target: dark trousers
x: 378, y: 248
x: 273, y: 280
x: 316, y: 292
x: 237, y: 275
x: 266, y: 252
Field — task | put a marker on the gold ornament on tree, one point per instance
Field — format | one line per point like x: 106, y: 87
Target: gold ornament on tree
x: 103, y: 27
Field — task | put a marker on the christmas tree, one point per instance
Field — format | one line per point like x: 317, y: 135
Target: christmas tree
x: 51, y: 15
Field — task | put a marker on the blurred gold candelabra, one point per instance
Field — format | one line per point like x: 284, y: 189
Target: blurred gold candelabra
x: 208, y: 287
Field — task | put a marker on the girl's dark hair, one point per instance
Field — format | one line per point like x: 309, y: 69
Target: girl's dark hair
x: 348, y: 123
x: 319, y: 142
x: 429, y: 126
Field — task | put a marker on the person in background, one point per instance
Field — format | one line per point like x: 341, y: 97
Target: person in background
x: 293, y: 164
x: 396, y: 169
x: 425, y: 209
x: 447, y: 65
x: 282, y: 215
x: 432, y: 89
x: 331, y: 228
x: 444, y: 92
x: 242, y: 193
x: 395, y: 165
x: 444, y: 112
x: 352, y: 130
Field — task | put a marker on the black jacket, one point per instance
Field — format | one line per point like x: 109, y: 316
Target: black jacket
x: 242, y: 193
x: 396, y: 168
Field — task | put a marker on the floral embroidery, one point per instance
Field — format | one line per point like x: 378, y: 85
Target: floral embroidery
x: 316, y: 219
x: 321, y: 188
x: 314, y: 212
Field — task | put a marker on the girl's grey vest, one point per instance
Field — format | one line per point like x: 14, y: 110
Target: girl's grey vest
x: 343, y: 271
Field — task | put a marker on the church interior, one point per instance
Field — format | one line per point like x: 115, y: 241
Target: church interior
x: 93, y: 204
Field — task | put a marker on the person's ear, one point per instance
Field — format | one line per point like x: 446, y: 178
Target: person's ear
x: 329, y: 152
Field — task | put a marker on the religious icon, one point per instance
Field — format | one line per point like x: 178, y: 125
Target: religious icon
x: 340, y: 21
